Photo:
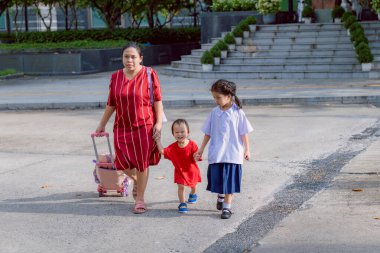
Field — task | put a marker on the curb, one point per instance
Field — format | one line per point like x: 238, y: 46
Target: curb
x: 346, y: 100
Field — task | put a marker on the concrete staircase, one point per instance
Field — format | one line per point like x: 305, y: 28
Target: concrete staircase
x: 289, y: 51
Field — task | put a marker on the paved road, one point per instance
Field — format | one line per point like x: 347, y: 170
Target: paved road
x: 49, y: 200
x: 90, y: 91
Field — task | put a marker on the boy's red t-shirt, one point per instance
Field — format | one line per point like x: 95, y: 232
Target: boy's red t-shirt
x: 186, y: 170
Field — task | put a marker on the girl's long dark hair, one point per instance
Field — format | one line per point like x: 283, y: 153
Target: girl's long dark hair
x: 134, y: 45
x: 226, y: 88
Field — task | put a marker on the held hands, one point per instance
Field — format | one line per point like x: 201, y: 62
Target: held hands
x: 198, y: 155
x: 157, y: 131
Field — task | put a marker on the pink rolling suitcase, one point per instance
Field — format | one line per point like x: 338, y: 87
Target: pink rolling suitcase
x: 105, y: 173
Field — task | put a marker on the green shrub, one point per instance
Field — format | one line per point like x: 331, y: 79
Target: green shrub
x: 362, y: 45
x: 307, y: 12
x: 346, y: 15
x: 337, y: 12
x: 355, y: 26
x: 238, y: 32
x: 360, y: 39
x: 215, y: 51
x: 6, y: 72
x: 349, y: 21
x: 365, y: 55
x: 375, y: 5
x: 233, y: 5
x: 153, y: 36
x: 207, y: 58
x: 244, y: 25
x: 229, y: 38
x: 251, y: 20
x: 357, y: 35
x: 222, y: 45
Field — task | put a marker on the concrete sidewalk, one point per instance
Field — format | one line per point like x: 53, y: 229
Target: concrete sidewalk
x: 342, y: 218
x: 56, y: 207
x: 90, y: 91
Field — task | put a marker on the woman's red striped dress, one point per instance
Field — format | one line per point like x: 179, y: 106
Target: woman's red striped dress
x: 134, y: 119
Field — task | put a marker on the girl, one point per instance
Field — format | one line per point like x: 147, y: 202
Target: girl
x: 181, y: 153
x: 227, y: 127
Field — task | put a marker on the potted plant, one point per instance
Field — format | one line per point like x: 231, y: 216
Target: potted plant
x: 268, y: 8
x: 348, y: 22
x: 346, y: 15
x: 365, y: 57
x: 245, y: 27
x: 337, y: 14
x: 251, y: 20
x: 207, y: 61
x: 359, y: 40
x: 216, y: 53
x: 307, y: 14
x: 230, y: 40
x: 376, y: 7
x: 223, y: 47
x: 238, y: 34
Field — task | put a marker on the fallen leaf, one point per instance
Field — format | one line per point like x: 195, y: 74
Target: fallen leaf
x: 160, y: 177
x: 357, y: 190
x: 377, y: 218
x: 78, y: 195
x: 44, y: 186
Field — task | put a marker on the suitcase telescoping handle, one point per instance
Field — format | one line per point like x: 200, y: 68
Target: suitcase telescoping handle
x: 102, y: 134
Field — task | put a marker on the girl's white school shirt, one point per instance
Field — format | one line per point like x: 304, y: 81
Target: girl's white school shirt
x: 225, y: 129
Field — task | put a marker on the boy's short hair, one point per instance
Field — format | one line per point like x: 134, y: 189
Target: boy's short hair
x: 179, y: 122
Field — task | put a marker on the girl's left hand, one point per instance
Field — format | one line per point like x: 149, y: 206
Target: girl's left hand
x: 157, y: 131
x: 247, y: 155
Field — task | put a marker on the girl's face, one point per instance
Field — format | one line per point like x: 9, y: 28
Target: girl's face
x: 180, y: 132
x: 131, y: 59
x: 224, y: 101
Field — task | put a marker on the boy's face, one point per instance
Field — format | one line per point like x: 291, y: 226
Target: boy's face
x: 180, y: 132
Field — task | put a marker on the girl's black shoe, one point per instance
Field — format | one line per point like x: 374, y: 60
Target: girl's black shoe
x: 226, y: 213
x: 219, y: 202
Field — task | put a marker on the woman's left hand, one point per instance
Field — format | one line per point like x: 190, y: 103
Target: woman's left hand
x: 157, y: 131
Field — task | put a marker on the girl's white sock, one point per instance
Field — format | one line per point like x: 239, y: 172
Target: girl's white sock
x: 220, y: 197
x: 225, y: 205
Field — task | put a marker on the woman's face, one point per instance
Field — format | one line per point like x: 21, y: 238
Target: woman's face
x: 131, y: 59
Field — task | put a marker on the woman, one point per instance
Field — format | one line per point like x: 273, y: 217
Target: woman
x: 137, y: 121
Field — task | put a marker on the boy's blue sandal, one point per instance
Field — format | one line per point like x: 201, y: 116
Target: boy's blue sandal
x: 182, y: 208
x: 192, y: 198
x: 226, y: 213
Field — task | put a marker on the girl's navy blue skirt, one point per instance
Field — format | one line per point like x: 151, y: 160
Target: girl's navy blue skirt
x: 224, y: 178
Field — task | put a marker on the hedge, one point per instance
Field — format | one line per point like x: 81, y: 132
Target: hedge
x: 142, y: 35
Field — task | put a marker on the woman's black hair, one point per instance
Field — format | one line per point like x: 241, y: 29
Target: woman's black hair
x: 179, y: 122
x: 226, y: 88
x: 134, y: 45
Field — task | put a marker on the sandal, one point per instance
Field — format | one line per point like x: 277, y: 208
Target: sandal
x: 134, y: 191
x: 139, y: 207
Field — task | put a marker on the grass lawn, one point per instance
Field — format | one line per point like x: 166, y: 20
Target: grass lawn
x: 6, y: 72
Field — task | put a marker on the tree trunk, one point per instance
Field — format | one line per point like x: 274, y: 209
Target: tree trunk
x: 26, y: 16
x: 8, y: 21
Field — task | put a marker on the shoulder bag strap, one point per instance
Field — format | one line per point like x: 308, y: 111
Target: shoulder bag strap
x: 148, y: 70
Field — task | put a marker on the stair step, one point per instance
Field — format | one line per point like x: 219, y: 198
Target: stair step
x: 273, y: 66
x: 267, y: 75
x: 288, y: 51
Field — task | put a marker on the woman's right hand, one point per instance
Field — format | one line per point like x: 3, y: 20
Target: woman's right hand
x: 100, y: 129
